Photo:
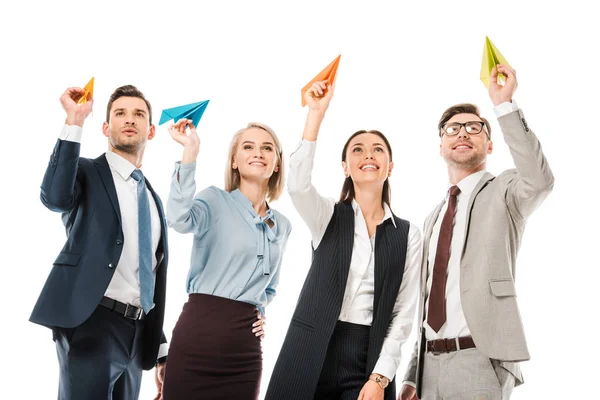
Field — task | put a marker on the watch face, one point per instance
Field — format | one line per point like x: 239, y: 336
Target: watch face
x: 382, y: 382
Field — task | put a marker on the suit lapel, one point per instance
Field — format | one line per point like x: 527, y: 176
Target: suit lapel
x: 346, y: 244
x: 480, y: 185
x: 109, y: 184
x: 387, y: 252
x: 383, y: 259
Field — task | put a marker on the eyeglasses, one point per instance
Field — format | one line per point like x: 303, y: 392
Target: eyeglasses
x: 471, y: 127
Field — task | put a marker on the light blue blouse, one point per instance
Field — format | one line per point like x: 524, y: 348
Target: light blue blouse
x: 235, y: 254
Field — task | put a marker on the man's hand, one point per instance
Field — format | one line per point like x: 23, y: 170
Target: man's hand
x: 500, y: 94
x: 408, y: 393
x: 76, y: 114
x: 159, y: 379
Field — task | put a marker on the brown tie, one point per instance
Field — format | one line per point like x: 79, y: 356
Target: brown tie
x: 436, y: 315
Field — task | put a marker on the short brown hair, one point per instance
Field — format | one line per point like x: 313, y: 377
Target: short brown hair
x: 276, y: 181
x: 127, y: 91
x: 464, y: 108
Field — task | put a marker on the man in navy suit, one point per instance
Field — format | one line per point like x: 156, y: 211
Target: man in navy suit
x: 105, y: 296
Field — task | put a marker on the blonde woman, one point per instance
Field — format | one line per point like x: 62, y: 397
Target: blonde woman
x: 215, y: 352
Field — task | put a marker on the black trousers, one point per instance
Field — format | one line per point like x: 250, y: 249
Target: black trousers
x: 344, y: 371
x: 101, y: 358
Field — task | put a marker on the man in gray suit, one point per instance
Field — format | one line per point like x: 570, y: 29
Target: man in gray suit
x: 471, y: 337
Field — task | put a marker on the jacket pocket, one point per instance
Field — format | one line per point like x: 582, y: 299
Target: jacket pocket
x: 67, y: 259
x: 503, y: 287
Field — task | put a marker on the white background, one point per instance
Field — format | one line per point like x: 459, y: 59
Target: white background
x: 401, y: 66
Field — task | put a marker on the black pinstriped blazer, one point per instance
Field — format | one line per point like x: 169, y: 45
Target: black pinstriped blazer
x: 299, y: 364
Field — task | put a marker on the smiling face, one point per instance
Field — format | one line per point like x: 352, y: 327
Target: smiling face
x: 368, y: 160
x: 465, y: 151
x: 255, y: 155
x: 128, y: 127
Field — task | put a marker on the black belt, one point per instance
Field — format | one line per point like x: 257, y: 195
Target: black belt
x: 449, y: 345
x: 126, y: 310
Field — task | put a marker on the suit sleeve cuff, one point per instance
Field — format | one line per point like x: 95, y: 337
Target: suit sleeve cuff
x: 71, y: 133
x: 505, y: 108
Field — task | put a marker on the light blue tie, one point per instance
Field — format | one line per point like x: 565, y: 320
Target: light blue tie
x: 145, y: 242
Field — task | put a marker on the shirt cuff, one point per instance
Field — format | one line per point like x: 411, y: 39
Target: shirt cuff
x: 505, y: 108
x: 71, y: 133
x: 184, y: 174
x: 185, y: 167
x: 385, y: 366
x: 163, y: 350
x: 305, y: 148
x: 409, y: 383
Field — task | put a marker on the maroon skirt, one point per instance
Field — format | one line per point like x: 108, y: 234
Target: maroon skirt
x: 213, y: 353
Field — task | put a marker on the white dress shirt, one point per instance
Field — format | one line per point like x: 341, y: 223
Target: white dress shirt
x: 125, y: 283
x: 357, y: 305
x: 455, y: 324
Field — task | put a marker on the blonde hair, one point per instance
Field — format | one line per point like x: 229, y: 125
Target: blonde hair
x: 232, y: 176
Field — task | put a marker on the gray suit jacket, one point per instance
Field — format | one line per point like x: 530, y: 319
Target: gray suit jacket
x: 496, y: 217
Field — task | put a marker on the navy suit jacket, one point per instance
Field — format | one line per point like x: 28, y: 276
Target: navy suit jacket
x: 84, y: 192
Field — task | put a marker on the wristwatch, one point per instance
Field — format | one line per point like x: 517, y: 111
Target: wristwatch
x: 381, y: 380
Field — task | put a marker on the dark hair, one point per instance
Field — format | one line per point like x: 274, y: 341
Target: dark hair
x: 347, y: 194
x: 464, y: 108
x: 127, y: 91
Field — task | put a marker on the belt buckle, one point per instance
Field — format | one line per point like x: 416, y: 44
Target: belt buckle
x: 132, y: 312
x: 435, y: 350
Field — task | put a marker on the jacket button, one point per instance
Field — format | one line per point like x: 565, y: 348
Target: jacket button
x: 119, y: 241
x: 110, y: 266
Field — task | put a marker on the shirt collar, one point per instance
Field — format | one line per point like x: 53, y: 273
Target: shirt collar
x: 240, y: 198
x: 467, y: 185
x: 119, y: 164
x: 386, y: 209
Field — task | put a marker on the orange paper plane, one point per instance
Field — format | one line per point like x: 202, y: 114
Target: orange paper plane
x: 88, y: 92
x: 328, y: 74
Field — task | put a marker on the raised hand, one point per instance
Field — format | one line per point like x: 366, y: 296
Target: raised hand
x: 318, y: 96
x: 179, y: 134
x: 76, y: 114
x: 498, y: 93
x: 190, y: 143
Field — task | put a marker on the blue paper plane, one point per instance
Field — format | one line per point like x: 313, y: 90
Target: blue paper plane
x: 192, y: 111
